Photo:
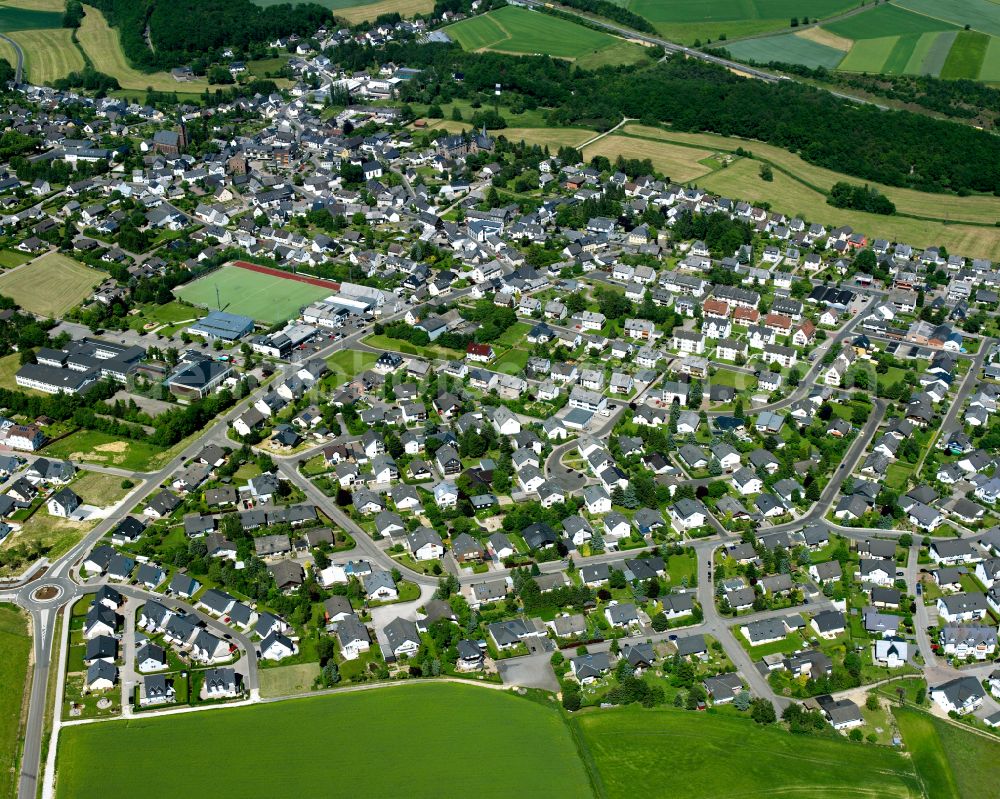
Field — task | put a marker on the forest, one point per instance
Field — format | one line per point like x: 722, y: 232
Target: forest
x: 222, y: 23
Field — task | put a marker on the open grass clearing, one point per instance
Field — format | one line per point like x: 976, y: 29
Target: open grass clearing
x: 99, y: 489
x: 55, y: 534
x: 721, y: 755
x: 978, y: 208
x: 288, y: 680
x: 49, y: 54
x: 554, y: 138
x: 463, y: 721
x: 965, y: 59
x: 91, y: 446
x: 15, y: 647
x: 266, y: 298
x: 523, y: 32
x: 370, y: 11
x: 678, y: 162
x: 100, y: 41
x: 51, y: 285
x: 787, y: 48
x: 742, y: 181
x: 345, y: 364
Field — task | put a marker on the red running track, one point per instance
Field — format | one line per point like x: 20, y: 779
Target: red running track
x: 267, y: 270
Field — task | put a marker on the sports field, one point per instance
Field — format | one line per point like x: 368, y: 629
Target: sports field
x: 412, y: 740
x: 522, y: 32
x: 264, y: 297
x: 687, y: 20
x: 15, y: 645
x: 667, y: 753
x: 100, y: 41
x: 51, y: 285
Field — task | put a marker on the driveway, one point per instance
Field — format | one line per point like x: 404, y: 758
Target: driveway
x: 530, y: 671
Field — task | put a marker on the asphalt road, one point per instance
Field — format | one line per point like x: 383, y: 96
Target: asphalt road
x: 19, y: 67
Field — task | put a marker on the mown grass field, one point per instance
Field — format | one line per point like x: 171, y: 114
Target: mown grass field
x: 742, y: 181
x: 345, y: 364
x: 413, y: 741
x: 678, y: 162
x: 553, y: 137
x: 51, y: 285
x: 263, y: 297
x: 984, y: 209
x: 687, y: 20
x: 94, y: 447
x: 953, y: 763
x: 19, y: 18
x: 15, y: 647
x: 666, y: 753
x: 99, y: 489
x: 100, y: 41
x: 363, y: 12
x: 48, y: 54
x: 522, y: 32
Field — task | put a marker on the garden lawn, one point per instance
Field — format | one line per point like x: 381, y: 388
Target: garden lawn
x: 652, y: 753
x: 511, y: 362
x: 266, y: 298
x: 15, y: 646
x: 11, y: 258
x: 384, y: 735
x: 51, y: 285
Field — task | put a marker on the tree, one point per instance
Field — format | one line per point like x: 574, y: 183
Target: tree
x: 872, y: 702
x: 571, y: 697
x: 660, y: 622
x: 742, y: 701
x: 762, y: 711
x: 325, y: 649
x: 765, y: 173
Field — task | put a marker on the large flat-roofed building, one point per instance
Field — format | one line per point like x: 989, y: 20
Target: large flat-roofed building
x: 222, y: 325
x: 281, y: 344
x: 80, y: 365
x: 196, y: 378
